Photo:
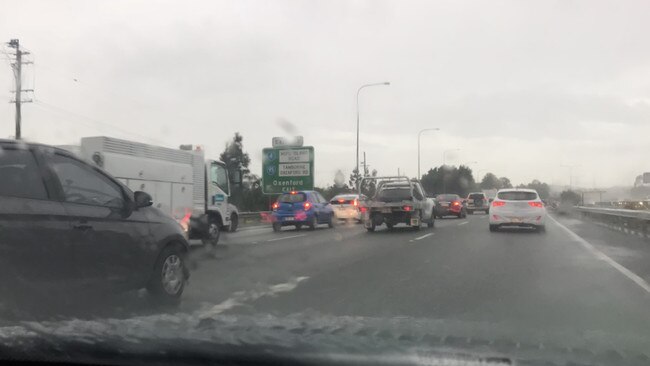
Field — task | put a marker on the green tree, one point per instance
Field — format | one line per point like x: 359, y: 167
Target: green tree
x: 449, y: 179
x: 505, y: 182
x: 570, y: 196
x: 542, y: 189
x: 490, y: 181
x: 237, y: 162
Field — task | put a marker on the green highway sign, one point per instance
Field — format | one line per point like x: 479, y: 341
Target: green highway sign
x: 286, y: 169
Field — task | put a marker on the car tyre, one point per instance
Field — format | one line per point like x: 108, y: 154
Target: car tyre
x: 277, y: 227
x: 298, y: 227
x: 313, y: 222
x: 234, y: 222
x: 330, y: 223
x: 213, y: 234
x: 169, y: 276
x: 494, y: 228
x: 389, y: 226
x: 541, y: 229
x: 371, y: 228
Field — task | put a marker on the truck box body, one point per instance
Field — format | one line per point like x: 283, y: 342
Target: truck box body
x: 174, y: 178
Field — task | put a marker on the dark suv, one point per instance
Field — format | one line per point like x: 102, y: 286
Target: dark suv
x: 67, y: 224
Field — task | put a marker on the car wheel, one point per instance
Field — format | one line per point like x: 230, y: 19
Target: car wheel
x: 169, y: 276
x: 313, y: 222
x: 541, y: 229
x: 494, y: 228
x: 234, y: 222
x: 330, y: 223
x: 389, y: 226
x: 277, y: 227
x: 432, y: 221
x: 298, y: 227
x: 212, y: 236
x: 371, y: 228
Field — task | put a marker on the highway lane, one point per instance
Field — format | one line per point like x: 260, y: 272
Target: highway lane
x: 523, y: 281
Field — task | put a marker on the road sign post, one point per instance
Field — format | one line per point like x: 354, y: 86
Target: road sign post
x: 286, y: 169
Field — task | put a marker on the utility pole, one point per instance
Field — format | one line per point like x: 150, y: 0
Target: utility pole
x: 365, y: 167
x: 18, y: 70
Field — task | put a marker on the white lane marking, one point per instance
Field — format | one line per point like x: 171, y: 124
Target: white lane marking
x: 287, y: 237
x: 246, y: 296
x: 602, y: 256
x: 423, y: 236
x: 463, y: 223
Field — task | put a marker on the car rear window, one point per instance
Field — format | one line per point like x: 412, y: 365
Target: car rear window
x: 517, y: 196
x: 343, y: 200
x: 448, y: 197
x: 394, y: 194
x: 477, y: 196
x: 292, y: 198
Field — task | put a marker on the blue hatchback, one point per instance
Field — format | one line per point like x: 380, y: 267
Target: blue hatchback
x: 298, y: 208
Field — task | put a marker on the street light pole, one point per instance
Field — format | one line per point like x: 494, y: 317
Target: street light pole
x: 358, y: 91
x: 419, y: 135
x: 570, y: 173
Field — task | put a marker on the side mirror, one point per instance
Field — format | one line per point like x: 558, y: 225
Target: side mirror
x: 142, y: 199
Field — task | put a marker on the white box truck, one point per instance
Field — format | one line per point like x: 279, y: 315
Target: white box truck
x: 182, y: 182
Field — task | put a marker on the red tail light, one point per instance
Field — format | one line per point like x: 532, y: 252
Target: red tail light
x: 363, y: 209
x: 341, y: 200
x: 456, y: 203
x: 306, y: 205
x: 355, y: 203
x: 275, y: 206
x: 408, y: 208
x: 498, y: 203
x: 536, y: 204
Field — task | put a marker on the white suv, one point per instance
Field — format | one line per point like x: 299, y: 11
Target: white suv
x: 517, y: 208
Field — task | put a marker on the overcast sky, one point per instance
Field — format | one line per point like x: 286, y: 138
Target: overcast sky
x: 521, y: 87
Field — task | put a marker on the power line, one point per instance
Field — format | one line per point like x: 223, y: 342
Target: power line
x: 96, y: 122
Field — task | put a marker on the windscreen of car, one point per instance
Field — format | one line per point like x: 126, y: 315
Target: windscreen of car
x: 517, y: 196
x: 292, y: 198
x: 394, y: 194
x: 477, y: 196
x: 448, y: 197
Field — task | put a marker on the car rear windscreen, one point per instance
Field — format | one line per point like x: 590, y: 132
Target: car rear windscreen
x: 343, y: 200
x: 477, y: 196
x: 517, y: 196
x: 292, y: 198
x: 448, y: 197
x: 394, y: 194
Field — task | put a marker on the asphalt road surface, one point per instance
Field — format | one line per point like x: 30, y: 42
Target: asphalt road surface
x: 577, y: 277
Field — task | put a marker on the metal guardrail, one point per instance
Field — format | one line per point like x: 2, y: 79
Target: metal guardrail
x: 254, y: 218
x: 633, y: 222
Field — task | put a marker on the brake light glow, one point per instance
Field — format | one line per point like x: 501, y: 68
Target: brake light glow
x: 185, y: 222
x: 275, y: 206
x: 355, y: 203
x: 536, y: 204
x: 498, y: 203
x: 341, y: 200
x: 456, y: 203
x: 306, y: 205
x: 363, y: 209
x: 293, y: 192
x: 408, y: 208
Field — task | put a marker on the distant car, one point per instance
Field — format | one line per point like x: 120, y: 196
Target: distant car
x: 477, y: 201
x: 450, y: 205
x: 517, y: 208
x: 67, y: 224
x: 346, y: 207
x: 301, y: 208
